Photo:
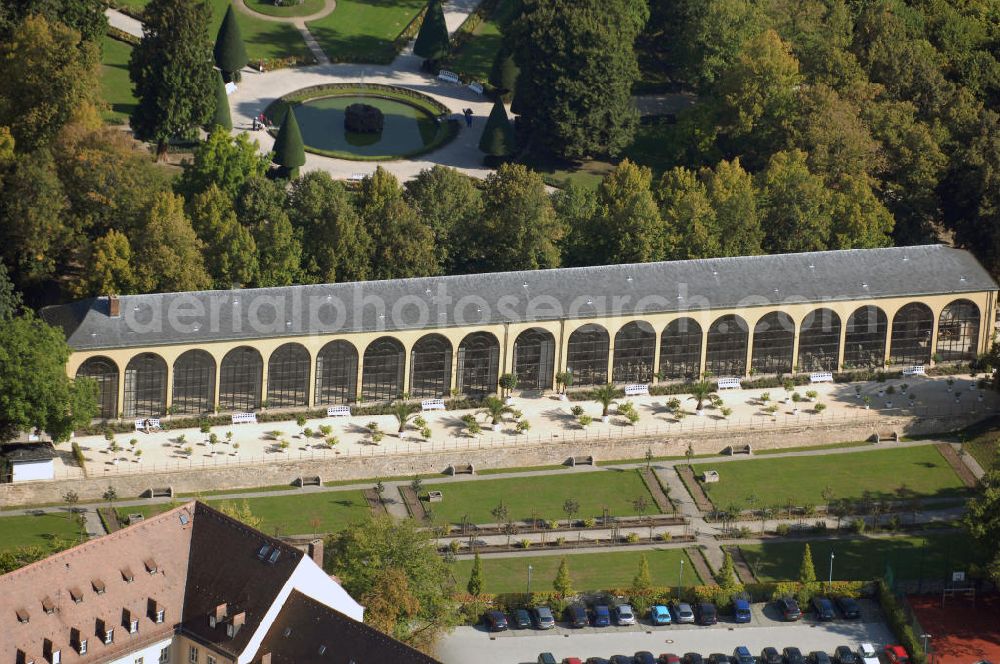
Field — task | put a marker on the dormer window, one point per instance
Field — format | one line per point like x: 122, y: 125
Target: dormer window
x: 23, y: 616
x: 127, y: 575
x: 76, y: 594
x: 150, y: 565
x: 211, y: 620
x: 98, y: 586
x: 263, y: 551
x: 47, y: 605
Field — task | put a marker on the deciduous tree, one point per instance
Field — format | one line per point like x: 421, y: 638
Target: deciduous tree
x: 795, y: 203
x: 110, y: 268
x: 732, y: 196
x: 336, y: 245
x: 563, y: 584
x: 167, y: 252
x: 229, y: 249
x: 403, y: 245
x: 690, y: 221
x: 225, y: 161
x: 448, y: 202
x: 629, y: 220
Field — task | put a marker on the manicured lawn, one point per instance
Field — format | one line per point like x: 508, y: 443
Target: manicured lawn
x: 544, y: 496
x: 475, y: 57
x: 292, y: 515
x: 363, y: 30
x: 983, y: 443
x: 264, y: 39
x: 589, y: 571
x: 38, y: 530
x: 801, y: 480
x: 268, y: 7
x: 116, y: 88
x: 930, y: 557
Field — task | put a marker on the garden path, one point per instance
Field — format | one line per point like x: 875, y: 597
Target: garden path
x: 123, y: 22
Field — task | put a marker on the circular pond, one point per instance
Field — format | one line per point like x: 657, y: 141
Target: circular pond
x: 408, y: 129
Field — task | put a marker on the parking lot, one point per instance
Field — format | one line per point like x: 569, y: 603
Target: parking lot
x: 475, y: 644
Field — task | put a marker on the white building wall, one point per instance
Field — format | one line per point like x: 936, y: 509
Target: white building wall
x: 310, y: 580
x: 149, y: 655
x: 27, y: 471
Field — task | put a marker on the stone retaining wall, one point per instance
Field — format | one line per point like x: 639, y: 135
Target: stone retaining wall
x: 233, y: 476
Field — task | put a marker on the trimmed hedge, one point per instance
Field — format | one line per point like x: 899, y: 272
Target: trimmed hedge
x: 899, y: 622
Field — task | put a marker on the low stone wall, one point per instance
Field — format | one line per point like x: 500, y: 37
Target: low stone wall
x: 232, y: 476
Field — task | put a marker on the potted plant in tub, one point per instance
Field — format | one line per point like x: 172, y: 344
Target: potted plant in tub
x: 495, y: 409
x: 508, y: 383
x: 605, y: 395
x: 564, y: 380
x: 700, y: 393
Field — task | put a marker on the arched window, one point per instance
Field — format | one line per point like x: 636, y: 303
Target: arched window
x: 146, y: 386
x: 288, y: 376
x: 104, y: 372
x: 635, y: 349
x: 864, y: 340
x: 587, y: 355
x: 958, y: 331
x: 478, y: 364
x: 819, y: 341
x: 194, y: 383
x: 680, y: 349
x: 726, y: 350
x: 911, y: 334
x: 430, y: 367
x: 534, y: 359
x: 336, y: 374
x: 773, y: 338
x: 240, y: 375
x: 382, y: 372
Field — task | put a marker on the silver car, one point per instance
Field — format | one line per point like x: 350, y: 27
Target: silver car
x: 683, y: 613
x: 624, y: 615
x: 543, y: 618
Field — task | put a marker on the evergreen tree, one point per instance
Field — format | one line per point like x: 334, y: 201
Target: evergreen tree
x: 10, y: 299
x: 432, y: 41
x: 642, y: 580
x: 171, y: 71
x: 726, y: 577
x: 167, y: 253
x: 222, y: 118
x: 563, y: 584
x: 475, y: 586
x: 629, y: 219
x: 230, y: 52
x: 807, y: 572
x: 503, y: 73
x: 497, y: 139
x: 289, y: 152
x: 577, y: 65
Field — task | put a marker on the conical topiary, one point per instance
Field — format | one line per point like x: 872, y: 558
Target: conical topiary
x: 503, y: 74
x: 432, y: 40
x: 498, y: 135
x: 222, y: 118
x: 289, y: 152
x: 230, y: 52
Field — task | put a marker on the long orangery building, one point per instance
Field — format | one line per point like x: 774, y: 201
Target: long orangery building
x: 326, y: 344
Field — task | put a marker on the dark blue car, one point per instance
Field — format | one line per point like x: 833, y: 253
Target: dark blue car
x: 741, y: 610
x: 600, y: 616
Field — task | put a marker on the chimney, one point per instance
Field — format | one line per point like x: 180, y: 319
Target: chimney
x: 316, y: 551
x: 221, y: 612
x: 265, y: 658
x: 114, y: 306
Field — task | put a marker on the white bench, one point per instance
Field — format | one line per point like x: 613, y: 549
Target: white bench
x: 476, y: 87
x: 356, y: 177
x: 338, y: 411
x: 432, y: 404
x: 448, y: 76
x: 821, y: 377
x: 244, y: 418
x: 637, y: 390
x: 147, y: 424
x: 730, y: 384
x: 914, y: 371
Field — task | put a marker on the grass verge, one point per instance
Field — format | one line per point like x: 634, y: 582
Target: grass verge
x: 116, y: 87
x: 37, y: 530
x: 364, y: 30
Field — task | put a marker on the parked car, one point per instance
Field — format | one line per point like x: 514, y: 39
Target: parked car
x: 707, y: 614
x: 849, y: 607
x: 742, y: 655
x: 819, y: 657
x: 693, y: 658
x: 844, y: 655
x: 659, y: 615
x: 741, y: 610
x: 770, y: 656
x: 793, y: 656
x: 495, y: 621
x: 718, y: 658
x: 576, y: 615
x: 572, y: 660
x: 624, y: 615
x: 546, y: 658
x: 823, y: 608
x: 789, y: 609
x: 868, y: 654
x: 542, y: 617
x: 521, y: 619
x: 597, y: 660
x: 600, y: 616
x: 644, y: 657
x: 621, y: 659
x: 683, y: 613
x: 896, y: 655
x: 669, y: 658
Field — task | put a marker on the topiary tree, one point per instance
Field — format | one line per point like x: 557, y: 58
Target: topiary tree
x: 503, y: 74
x: 433, y: 42
x: 230, y: 52
x: 222, y: 118
x: 289, y: 151
x: 475, y: 586
x: 498, y: 134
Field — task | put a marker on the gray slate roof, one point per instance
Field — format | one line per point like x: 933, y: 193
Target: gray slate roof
x: 429, y: 302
